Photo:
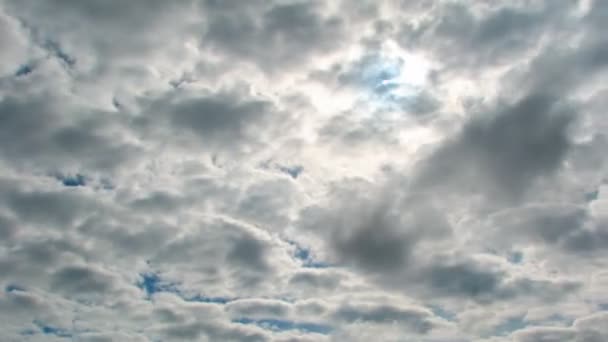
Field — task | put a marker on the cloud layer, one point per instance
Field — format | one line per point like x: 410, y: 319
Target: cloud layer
x: 210, y: 170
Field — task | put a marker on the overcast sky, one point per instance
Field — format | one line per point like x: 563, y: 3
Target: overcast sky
x: 291, y: 170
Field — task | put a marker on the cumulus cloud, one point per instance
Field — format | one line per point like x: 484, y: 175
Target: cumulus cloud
x: 502, y: 154
x: 303, y: 170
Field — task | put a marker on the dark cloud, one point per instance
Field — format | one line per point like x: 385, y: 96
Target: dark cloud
x: 375, y: 246
x: 485, y: 282
x: 272, y: 35
x: 502, y: 153
x: 568, y: 227
x: 104, y: 45
x: 34, y: 257
x: 213, y: 121
x: 469, y: 37
x: 49, y: 209
x: 212, y: 118
x: 230, y: 257
x: 250, y: 253
x: 389, y: 243
x: 463, y: 279
x: 39, y: 132
x: 549, y: 223
x: 81, y: 279
x: 8, y: 228
x: 374, y: 231
x: 127, y: 238
x: 560, y: 69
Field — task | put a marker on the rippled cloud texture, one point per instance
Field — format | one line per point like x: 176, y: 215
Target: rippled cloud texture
x: 222, y: 170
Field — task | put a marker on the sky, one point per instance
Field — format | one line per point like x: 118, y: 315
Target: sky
x: 294, y: 170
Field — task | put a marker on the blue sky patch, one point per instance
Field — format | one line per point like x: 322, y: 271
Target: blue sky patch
x: 152, y: 283
x: 72, y: 181
x: 50, y: 330
x: 378, y: 73
x: 23, y: 70
x: 56, y: 49
x: 591, y: 196
x: 390, y: 82
x: 303, y: 254
x: 443, y: 313
x: 106, y: 184
x: 293, y: 171
x: 12, y: 288
x: 515, y: 257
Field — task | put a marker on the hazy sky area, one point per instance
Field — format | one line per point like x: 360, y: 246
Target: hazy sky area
x: 294, y: 171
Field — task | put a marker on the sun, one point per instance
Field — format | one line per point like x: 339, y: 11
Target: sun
x: 391, y: 76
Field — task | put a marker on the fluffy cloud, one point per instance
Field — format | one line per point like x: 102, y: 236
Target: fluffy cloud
x: 303, y: 171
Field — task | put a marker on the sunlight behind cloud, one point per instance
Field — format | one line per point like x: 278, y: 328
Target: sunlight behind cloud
x: 294, y: 170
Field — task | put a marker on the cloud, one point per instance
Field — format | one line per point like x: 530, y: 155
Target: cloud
x: 232, y: 122
x: 40, y: 132
x: 77, y: 280
x: 367, y: 228
x: 272, y: 36
x: 16, y: 46
x: 303, y: 171
x: 586, y: 329
x: 485, y: 35
x: 415, y: 319
x: 253, y: 308
x: 502, y: 154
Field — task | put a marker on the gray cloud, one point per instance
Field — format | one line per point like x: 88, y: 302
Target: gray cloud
x: 39, y: 132
x: 374, y: 231
x: 502, y: 154
x: 463, y: 279
x: 471, y: 37
x: 269, y: 36
x: 78, y: 279
x: 214, y: 121
x: 249, y: 171
x: 568, y: 227
x: 486, y: 282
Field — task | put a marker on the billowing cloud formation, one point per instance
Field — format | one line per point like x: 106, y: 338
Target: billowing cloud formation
x: 210, y: 170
